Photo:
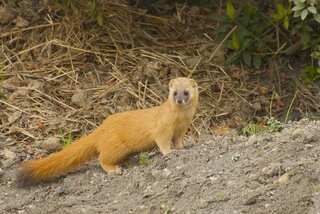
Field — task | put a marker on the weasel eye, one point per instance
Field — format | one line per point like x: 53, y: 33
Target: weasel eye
x: 175, y: 93
x: 186, y: 93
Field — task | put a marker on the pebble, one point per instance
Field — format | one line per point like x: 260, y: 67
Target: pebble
x: 166, y: 172
x: 52, y: 144
x: 59, y: 191
x: 156, y: 173
x: 79, y: 98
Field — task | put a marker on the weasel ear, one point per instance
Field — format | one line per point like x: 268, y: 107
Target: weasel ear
x: 171, y: 83
x: 193, y: 83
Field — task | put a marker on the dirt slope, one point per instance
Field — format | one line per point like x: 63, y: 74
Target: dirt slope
x: 271, y: 173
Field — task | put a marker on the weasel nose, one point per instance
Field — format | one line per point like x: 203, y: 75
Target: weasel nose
x: 179, y: 101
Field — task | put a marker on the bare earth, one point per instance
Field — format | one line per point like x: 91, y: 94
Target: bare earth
x: 270, y: 173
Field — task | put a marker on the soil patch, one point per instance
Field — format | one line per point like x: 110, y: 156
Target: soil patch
x: 270, y: 173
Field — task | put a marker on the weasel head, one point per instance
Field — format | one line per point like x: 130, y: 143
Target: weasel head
x: 183, y: 91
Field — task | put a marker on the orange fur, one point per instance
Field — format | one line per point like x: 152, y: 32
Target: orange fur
x: 123, y: 134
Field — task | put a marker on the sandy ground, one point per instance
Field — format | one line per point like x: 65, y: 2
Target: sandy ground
x: 269, y: 173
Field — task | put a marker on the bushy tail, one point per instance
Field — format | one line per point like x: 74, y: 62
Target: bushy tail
x: 58, y: 163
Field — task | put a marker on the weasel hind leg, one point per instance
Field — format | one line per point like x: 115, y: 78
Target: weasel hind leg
x: 110, y: 154
x: 110, y: 168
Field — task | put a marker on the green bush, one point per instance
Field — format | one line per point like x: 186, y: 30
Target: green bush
x: 248, y: 41
x: 251, y: 35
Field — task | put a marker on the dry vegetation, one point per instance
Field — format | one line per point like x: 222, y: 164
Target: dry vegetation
x: 61, y: 75
x: 65, y: 73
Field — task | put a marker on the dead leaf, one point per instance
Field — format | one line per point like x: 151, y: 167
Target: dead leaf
x: 79, y: 98
x: 257, y: 106
x: 220, y: 130
x: 21, y: 22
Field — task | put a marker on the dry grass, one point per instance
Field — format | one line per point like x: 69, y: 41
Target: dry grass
x: 123, y: 65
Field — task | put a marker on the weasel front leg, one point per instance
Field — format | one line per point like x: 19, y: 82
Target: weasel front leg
x: 178, y: 140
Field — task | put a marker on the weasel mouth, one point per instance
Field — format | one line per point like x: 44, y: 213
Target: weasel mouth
x: 181, y: 101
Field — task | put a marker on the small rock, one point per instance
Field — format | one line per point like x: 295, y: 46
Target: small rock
x: 297, y: 133
x: 7, y: 163
x: 10, y: 84
x: 156, y: 173
x: 235, y: 157
x: 7, y: 15
x: 254, y: 184
x: 212, y: 178
x: 52, y: 144
x: 283, y: 179
x: 200, y: 180
x: 308, y: 146
x: 192, y: 61
x: 59, y: 191
x: 1, y: 172
x: 253, y: 139
x: 79, y: 98
x: 21, y: 22
x: 203, y: 204
x: 148, y: 192
x: 34, y: 84
x: 251, y: 201
x: 166, y: 172
x: 14, y: 116
x: 257, y: 106
x: 310, y: 137
x: 189, y: 141
x: 3, y: 139
x: 272, y: 169
x: 7, y: 154
x: 261, y: 180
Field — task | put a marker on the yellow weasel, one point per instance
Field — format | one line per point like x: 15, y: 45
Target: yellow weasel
x: 122, y: 134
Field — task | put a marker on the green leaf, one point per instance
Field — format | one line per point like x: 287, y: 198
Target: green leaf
x: 298, y: 2
x: 316, y: 17
x: 249, y: 9
x: 316, y: 54
x: 246, y: 57
x: 305, y: 38
x: 232, y: 58
x: 304, y: 14
x: 281, y: 10
x: 257, y: 61
x: 307, y: 28
x: 229, y: 45
x: 312, y: 9
x: 298, y: 7
x: 99, y: 17
x: 276, y: 16
x: 286, y: 22
x: 91, y: 5
x: 235, y: 41
x: 246, y: 42
x: 245, y: 20
x: 231, y: 12
x: 308, y: 73
x: 219, y: 18
x: 297, y: 13
x: 222, y: 28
